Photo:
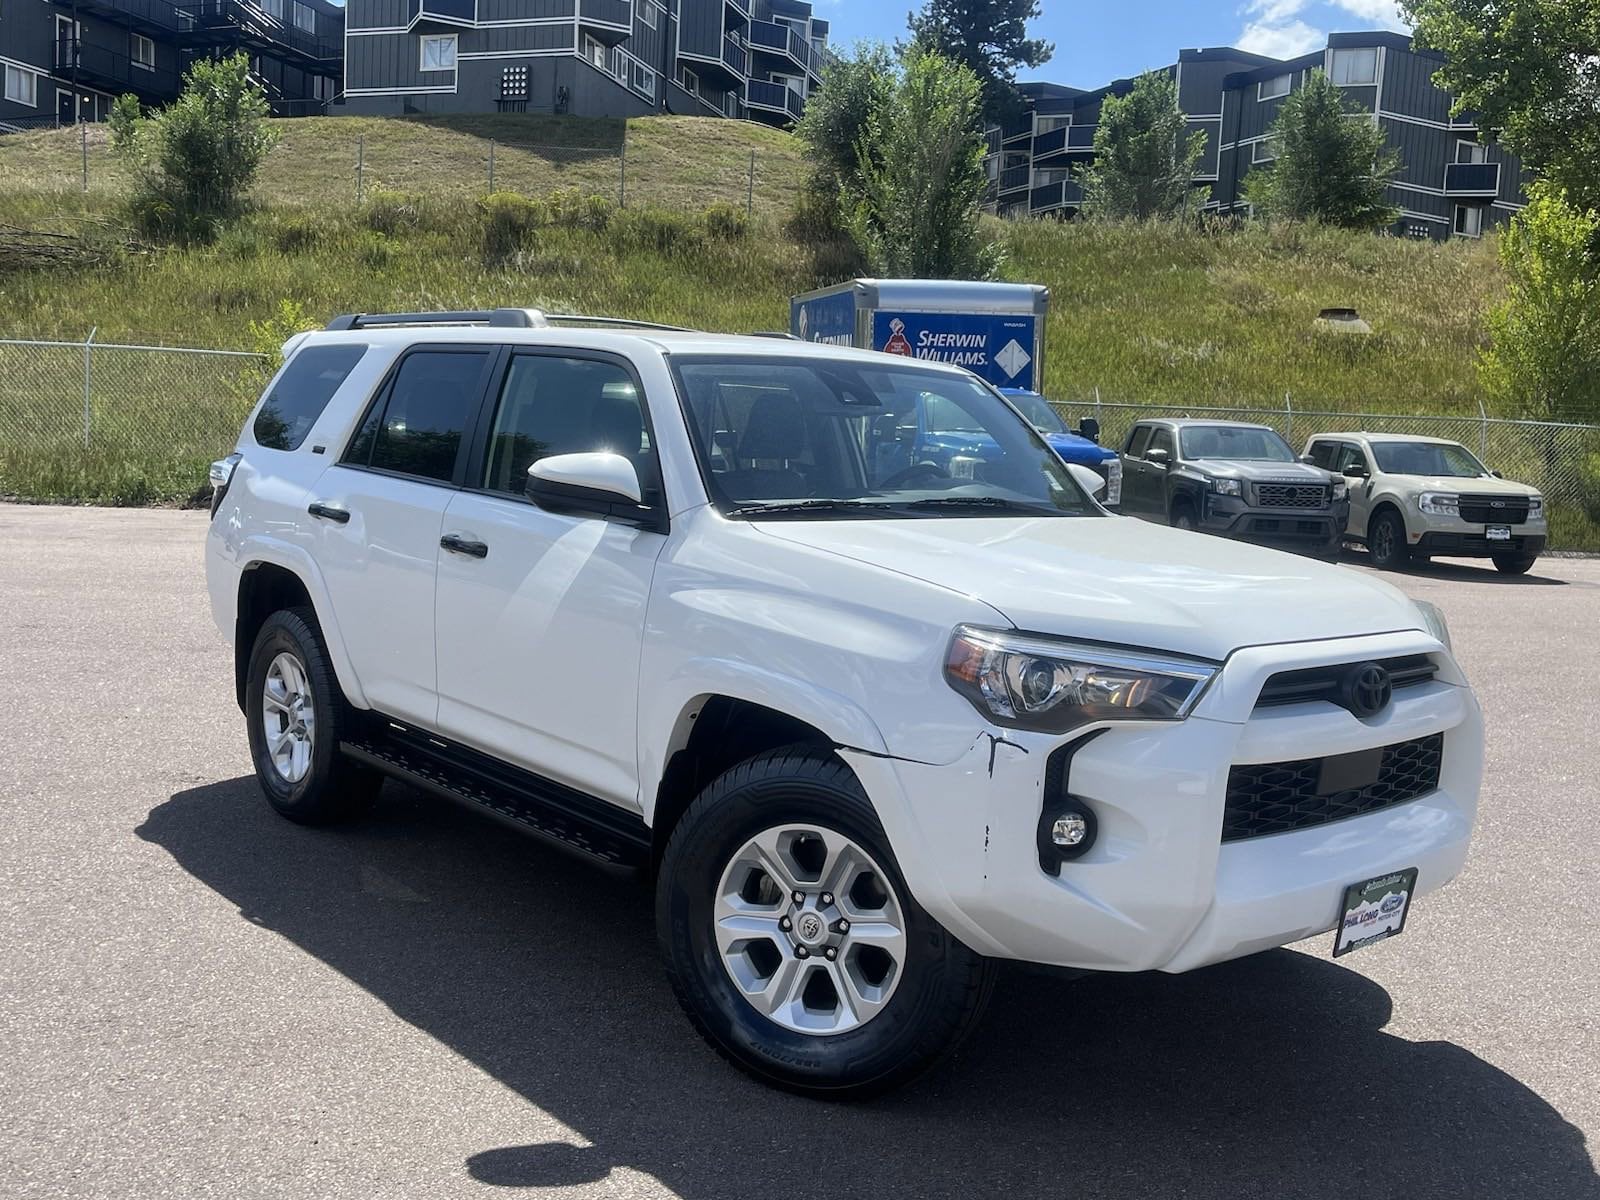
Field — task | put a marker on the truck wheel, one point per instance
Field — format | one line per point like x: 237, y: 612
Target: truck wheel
x: 1183, y: 517
x: 1386, y: 541
x: 294, y: 710
x: 792, y: 941
x: 1514, y: 564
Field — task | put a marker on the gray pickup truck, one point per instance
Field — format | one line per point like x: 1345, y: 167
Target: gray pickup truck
x: 1237, y: 480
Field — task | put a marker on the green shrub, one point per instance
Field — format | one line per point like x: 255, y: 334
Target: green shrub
x: 1589, y: 486
x: 656, y: 229
x: 373, y: 250
x: 726, y: 222
x: 508, y: 222
x: 394, y: 213
x: 298, y: 233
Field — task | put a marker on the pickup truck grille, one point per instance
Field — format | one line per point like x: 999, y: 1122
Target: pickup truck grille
x: 1481, y: 510
x: 1291, y: 495
x: 1281, y: 797
x: 1326, y: 683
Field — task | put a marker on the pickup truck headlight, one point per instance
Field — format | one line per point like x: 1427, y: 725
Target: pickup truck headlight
x: 1439, y: 504
x: 1052, y: 686
x: 1536, y: 508
x: 1341, y: 491
x: 1433, y: 620
x: 1227, y: 487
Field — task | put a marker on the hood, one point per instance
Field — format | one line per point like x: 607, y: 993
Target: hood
x: 1474, y: 485
x: 1261, y: 472
x: 1121, y: 580
x: 1073, y: 448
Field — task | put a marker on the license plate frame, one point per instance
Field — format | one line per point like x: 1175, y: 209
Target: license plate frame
x: 1497, y: 533
x: 1367, y: 914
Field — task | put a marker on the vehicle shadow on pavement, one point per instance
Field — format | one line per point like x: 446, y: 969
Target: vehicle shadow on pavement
x: 1456, y: 570
x: 1270, y: 1077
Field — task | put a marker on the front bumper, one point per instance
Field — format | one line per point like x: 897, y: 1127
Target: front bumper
x: 1231, y: 516
x: 1159, y: 890
x: 1475, y: 543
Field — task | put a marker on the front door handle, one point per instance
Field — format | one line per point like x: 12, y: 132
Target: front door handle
x: 328, y: 512
x: 460, y: 545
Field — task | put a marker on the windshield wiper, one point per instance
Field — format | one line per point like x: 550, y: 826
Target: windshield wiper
x: 778, y: 508
x: 986, y: 503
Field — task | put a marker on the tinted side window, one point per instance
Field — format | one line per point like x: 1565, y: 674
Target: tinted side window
x: 1164, y: 440
x: 433, y: 394
x: 1138, y: 441
x: 1350, y: 456
x: 1323, y: 454
x: 551, y: 405
x: 302, y: 392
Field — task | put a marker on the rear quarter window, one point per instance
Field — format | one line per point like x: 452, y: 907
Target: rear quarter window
x: 301, y: 393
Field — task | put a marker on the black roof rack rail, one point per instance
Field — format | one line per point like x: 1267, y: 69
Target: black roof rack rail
x: 499, y: 318
x: 613, y: 322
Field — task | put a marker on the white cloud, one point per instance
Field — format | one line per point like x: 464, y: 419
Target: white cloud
x: 1288, y: 39
x: 1374, y: 14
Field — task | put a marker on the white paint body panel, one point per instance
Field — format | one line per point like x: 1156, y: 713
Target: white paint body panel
x: 582, y: 649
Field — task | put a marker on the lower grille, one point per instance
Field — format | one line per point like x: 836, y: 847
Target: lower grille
x: 1482, y: 510
x: 1291, y: 495
x: 1273, y: 798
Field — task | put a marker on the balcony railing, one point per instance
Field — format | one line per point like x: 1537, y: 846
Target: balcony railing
x: 1466, y: 181
x: 450, y: 12
x: 775, y: 97
x: 1054, y: 195
x: 1053, y: 142
x: 1080, y: 138
x: 1014, y: 178
x: 780, y: 39
x: 150, y: 16
x: 98, y: 65
x: 734, y: 57
x: 221, y: 22
x: 605, y: 12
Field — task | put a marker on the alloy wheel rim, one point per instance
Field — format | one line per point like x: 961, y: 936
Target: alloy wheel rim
x: 1385, y: 539
x: 810, y: 930
x: 289, y: 717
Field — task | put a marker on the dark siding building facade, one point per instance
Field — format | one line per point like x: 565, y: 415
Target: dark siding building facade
x: 1449, y: 184
x: 63, y: 61
x: 603, y: 58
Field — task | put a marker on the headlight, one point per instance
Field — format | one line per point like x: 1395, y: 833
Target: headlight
x: 1438, y: 504
x: 1341, y: 491
x: 1536, y: 508
x: 1433, y: 621
x: 1227, y: 487
x: 1113, y: 496
x: 1052, y: 686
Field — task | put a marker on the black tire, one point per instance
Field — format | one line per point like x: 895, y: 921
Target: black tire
x: 333, y: 788
x: 1386, y: 541
x: 1514, y: 564
x: 1183, y: 516
x: 938, y: 998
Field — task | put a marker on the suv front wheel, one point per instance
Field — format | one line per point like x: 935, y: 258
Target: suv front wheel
x: 1386, y: 541
x: 792, y: 940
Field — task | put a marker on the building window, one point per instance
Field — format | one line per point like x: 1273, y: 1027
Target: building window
x: 1469, y: 220
x: 647, y: 13
x: 22, y: 87
x: 1049, y: 176
x: 142, y: 51
x: 691, y: 82
x: 305, y: 17
x: 1355, y: 68
x: 1048, y: 124
x: 644, y: 81
x: 439, y: 53
x: 1272, y: 89
x: 619, y: 64
x: 275, y: 9
x: 1265, y: 150
x: 594, y: 51
x: 730, y: 104
x: 1472, y: 152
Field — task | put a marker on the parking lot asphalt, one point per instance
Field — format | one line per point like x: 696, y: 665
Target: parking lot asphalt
x: 199, y: 999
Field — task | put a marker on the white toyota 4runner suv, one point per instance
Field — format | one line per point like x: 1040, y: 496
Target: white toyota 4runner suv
x: 650, y: 595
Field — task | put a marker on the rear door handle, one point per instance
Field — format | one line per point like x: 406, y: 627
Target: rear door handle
x: 460, y: 545
x: 328, y: 512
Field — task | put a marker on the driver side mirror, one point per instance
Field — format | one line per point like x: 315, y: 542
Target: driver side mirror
x: 1307, y: 459
x: 1160, y: 458
x: 1089, y: 428
x: 593, y: 485
x: 1354, y: 471
x: 1088, y: 480
x: 1497, y: 474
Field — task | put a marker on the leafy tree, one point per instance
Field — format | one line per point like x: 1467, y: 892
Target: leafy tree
x: 1544, y: 353
x: 1530, y: 71
x: 1145, y: 156
x: 853, y: 88
x: 913, y: 208
x: 1332, y: 163
x: 991, y: 38
x: 193, y: 162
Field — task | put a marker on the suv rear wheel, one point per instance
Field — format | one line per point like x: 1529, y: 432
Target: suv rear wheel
x: 791, y: 938
x: 1514, y: 564
x: 296, y: 713
x: 1386, y: 541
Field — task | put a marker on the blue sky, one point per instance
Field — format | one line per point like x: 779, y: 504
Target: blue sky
x: 1097, y: 42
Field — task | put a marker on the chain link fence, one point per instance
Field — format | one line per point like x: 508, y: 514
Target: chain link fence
x: 1561, y: 460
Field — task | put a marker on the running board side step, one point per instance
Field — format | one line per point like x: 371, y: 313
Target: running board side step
x: 593, y: 829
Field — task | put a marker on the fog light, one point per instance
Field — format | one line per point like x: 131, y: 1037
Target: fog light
x: 1069, y: 830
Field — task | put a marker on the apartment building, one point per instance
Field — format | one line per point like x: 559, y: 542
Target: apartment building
x: 605, y: 58
x: 67, y: 60
x: 1450, y: 183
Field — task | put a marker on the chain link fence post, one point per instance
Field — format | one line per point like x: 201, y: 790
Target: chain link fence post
x: 361, y: 164
x: 1483, y: 430
x: 1288, y: 407
x: 88, y: 383
x: 622, y: 170
x: 491, y: 166
x: 84, y: 140
x: 750, y: 195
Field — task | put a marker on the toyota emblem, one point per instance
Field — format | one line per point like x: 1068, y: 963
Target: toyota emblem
x: 1367, y: 690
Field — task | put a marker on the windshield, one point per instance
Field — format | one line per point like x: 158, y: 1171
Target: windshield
x: 1237, y: 442
x: 1427, y: 458
x: 778, y: 436
x: 1039, y: 413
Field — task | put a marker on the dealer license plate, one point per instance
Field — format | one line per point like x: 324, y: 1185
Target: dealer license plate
x: 1374, y: 910
x: 1498, y: 533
